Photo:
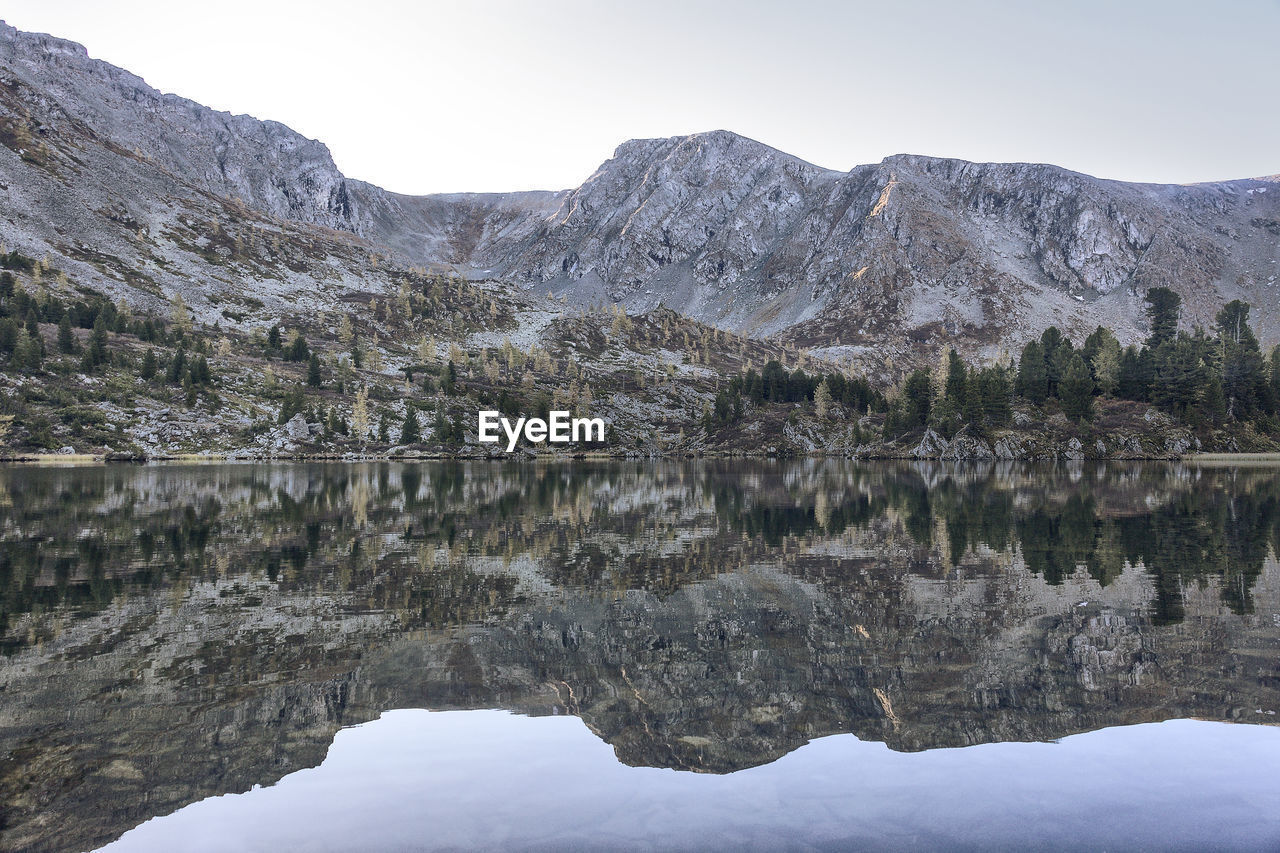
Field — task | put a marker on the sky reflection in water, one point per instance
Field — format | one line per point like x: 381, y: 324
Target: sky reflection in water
x: 490, y: 779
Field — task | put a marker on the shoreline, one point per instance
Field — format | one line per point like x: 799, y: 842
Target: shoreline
x: 75, y: 459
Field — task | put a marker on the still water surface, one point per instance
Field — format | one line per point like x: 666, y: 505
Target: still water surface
x: 807, y: 655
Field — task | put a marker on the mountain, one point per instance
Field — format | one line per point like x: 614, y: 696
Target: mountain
x: 735, y: 233
x: 143, y: 194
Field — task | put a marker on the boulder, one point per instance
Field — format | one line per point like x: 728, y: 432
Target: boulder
x: 1129, y: 447
x: 296, y: 428
x: 968, y: 447
x: 931, y: 446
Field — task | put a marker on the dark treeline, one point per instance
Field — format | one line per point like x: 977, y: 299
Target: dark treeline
x: 22, y: 346
x: 1203, y: 379
x: 175, y: 353
x: 775, y: 384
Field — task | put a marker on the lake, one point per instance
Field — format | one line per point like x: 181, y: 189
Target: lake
x: 731, y: 654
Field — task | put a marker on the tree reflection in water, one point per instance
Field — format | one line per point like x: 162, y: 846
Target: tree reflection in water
x: 173, y: 632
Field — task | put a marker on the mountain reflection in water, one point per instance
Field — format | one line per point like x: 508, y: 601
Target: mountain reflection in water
x: 173, y: 633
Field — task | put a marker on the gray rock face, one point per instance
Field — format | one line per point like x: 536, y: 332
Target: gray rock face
x: 931, y: 446
x: 1009, y: 447
x: 268, y: 166
x: 264, y: 165
x: 296, y: 429
x: 899, y: 258
x: 715, y: 205
x: 739, y: 234
x: 968, y: 447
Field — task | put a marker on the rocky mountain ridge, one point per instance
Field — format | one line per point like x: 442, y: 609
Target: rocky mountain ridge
x: 134, y: 190
x: 737, y: 234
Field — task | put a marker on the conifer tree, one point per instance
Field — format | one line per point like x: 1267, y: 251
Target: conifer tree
x: 1163, y: 308
x: 917, y: 399
x: 199, y: 371
x: 66, y: 340
x: 346, y: 331
x: 821, y: 399
x: 33, y: 332
x: 995, y: 390
x: 1076, y: 390
x: 441, y: 427
x: 1133, y: 378
x: 1104, y: 357
x: 298, y: 350
x: 98, y: 340
x: 360, y: 414
x: 1243, y: 370
x: 449, y: 381
x: 8, y: 335
x: 409, y: 430
x: 27, y: 352
x: 1213, y: 403
x: 1057, y: 355
x: 313, y: 371
x: 291, y: 405
x: 955, y: 387
x: 973, y: 410
x: 1178, y: 375
x: 177, y: 366
x: 1033, y: 377
x: 149, y: 365
x: 180, y: 314
x: 1275, y: 379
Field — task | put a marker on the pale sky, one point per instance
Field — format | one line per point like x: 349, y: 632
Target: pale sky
x: 500, y: 95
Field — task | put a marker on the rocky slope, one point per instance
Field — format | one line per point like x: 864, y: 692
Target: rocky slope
x: 142, y: 193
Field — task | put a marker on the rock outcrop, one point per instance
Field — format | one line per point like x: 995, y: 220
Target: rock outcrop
x: 1173, y: 443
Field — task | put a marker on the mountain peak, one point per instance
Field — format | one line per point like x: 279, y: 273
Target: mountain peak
x: 41, y: 41
x: 710, y: 144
